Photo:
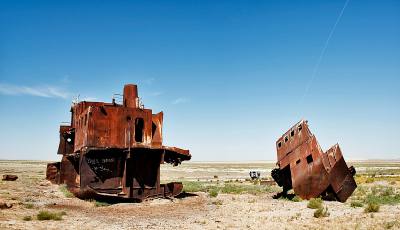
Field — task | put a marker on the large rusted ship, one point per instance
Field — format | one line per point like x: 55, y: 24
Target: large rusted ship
x: 114, y: 150
x: 311, y: 172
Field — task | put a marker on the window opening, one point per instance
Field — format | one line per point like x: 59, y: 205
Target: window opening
x: 309, y: 159
x: 139, y: 125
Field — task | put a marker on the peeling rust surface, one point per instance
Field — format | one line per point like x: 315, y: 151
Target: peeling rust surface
x: 311, y: 172
x: 114, y: 151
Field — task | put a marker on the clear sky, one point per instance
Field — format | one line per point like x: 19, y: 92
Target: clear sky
x: 230, y: 76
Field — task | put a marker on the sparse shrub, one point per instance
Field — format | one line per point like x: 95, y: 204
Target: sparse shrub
x: 29, y: 205
x: 372, y: 207
x: 193, y: 186
x: 203, y: 222
x: 321, y: 212
x: 296, y: 199
x: 356, y: 204
x: 388, y: 191
x: 217, y: 202
x: 315, y: 203
x: 27, y: 218
x: 228, y: 188
x: 251, y: 189
x: 382, y: 195
x: 47, y: 215
x: 101, y: 203
x: 29, y: 199
x: 369, y: 180
x: 65, y: 191
x: 213, y: 192
x: 390, y: 224
x: 232, y: 188
x: 361, y: 191
x: 291, y: 197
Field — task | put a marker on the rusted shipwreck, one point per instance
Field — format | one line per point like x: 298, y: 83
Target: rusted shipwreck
x: 311, y: 172
x: 114, y: 151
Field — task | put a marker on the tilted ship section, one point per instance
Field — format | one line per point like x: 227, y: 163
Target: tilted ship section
x: 114, y: 150
x: 311, y: 172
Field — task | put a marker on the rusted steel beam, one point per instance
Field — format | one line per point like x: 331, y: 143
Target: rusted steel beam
x: 311, y: 172
x: 113, y: 150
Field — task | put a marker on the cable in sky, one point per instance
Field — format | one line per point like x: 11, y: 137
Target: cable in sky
x: 316, y: 67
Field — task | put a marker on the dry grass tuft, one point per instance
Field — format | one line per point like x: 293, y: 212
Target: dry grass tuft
x: 321, y: 212
x: 315, y: 203
x: 47, y: 215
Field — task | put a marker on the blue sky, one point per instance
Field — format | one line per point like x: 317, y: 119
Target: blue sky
x: 230, y: 76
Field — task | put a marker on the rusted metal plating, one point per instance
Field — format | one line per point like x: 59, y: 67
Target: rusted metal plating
x: 113, y: 150
x: 311, y: 172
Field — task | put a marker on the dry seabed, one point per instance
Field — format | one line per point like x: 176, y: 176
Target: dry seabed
x: 225, y: 209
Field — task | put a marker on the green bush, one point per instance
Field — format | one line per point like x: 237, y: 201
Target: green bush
x: 372, y: 207
x: 46, y: 215
x: 369, y: 180
x: 315, y: 203
x: 356, y: 204
x: 65, y: 191
x: 194, y: 186
x: 296, y: 199
x: 217, y: 202
x: 213, y: 192
x: 27, y: 218
x: 321, y: 212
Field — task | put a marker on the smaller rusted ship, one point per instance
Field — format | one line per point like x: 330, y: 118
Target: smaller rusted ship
x: 311, y: 172
x: 114, y: 151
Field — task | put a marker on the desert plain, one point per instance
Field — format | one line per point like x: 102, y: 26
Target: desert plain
x: 217, y: 195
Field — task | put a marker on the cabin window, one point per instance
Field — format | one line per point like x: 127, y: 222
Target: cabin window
x: 153, y: 129
x: 286, y: 138
x: 292, y: 133
x: 279, y: 144
x: 309, y: 159
x: 139, y: 126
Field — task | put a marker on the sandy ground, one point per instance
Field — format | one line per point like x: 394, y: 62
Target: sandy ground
x: 226, y: 211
